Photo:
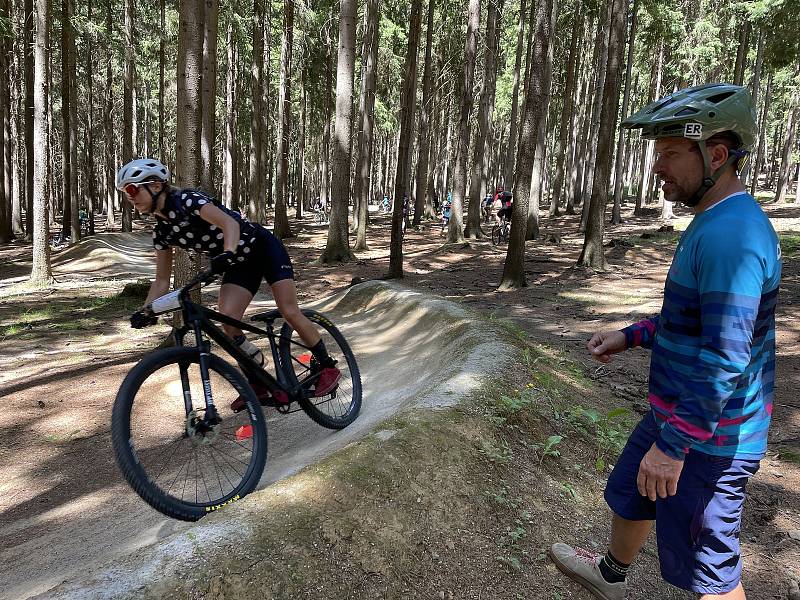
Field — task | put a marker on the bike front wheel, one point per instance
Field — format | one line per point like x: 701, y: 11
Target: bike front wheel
x: 341, y: 406
x: 181, y: 463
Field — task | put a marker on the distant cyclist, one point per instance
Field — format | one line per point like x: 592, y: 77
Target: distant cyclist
x: 504, y: 203
x: 244, y: 253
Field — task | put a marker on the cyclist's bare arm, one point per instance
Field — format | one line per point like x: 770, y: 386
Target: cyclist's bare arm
x: 161, y: 283
x: 605, y: 343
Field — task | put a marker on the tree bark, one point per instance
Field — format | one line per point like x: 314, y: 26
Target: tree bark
x: 325, y: 196
x: 66, y: 155
x: 539, y: 171
x: 741, y: 52
x: 5, y: 127
x: 230, y: 175
x: 108, y: 127
x: 455, y: 233
x: 592, y: 253
x: 511, y: 146
x: 481, y: 152
x: 29, y: 110
x: 256, y: 192
x: 758, y: 158
x: 403, y: 176
x: 41, y: 273
x: 282, y: 229
x: 127, y: 110
x: 337, y: 248
x: 208, y: 132
x: 788, y: 145
x: 565, y: 126
x: 621, y: 159
x: 600, y: 63
x: 423, y: 134
x: 534, y: 118
x: 367, y: 113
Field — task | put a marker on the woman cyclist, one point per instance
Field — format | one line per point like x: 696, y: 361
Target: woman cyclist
x: 244, y: 253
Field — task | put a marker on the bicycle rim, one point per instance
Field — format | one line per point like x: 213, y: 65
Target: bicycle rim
x: 175, y: 464
x: 339, y: 408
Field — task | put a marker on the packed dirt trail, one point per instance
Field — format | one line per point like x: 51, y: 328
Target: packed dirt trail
x: 65, y: 516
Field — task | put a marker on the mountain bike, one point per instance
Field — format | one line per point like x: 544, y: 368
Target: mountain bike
x: 320, y: 216
x: 500, y: 232
x: 178, y: 441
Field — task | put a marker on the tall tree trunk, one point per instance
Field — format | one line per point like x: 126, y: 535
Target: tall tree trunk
x: 90, y: 167
x: 108, y: 126
x: 189, y: 125
x: 41, y: 273
x: 337, y: 248
x: 256, y: 193
x: 758, y: 160
x: 423, y: 134
x: 30, y: 28
x: 161, y: 64
x: 5, y: 127
x: 367, y: 112
x: 477, y: 188
x: 539, y: 170
x: 208, y: 117
x: 511, y: 146
x: 600, y: 62
x: 230, y: 154
x: 592, y: 253
x: 282, y: 229
x: 128, y: 139
x: 616, y: 218
x: 66, y: 155
x: 741, y: 52
x: 407, y: 106
x: 565, y: 126
x: 646, y: 158
x: 788, y: 146
x: 326, y: 134
x: 455, y: 233
x: 534, y: 118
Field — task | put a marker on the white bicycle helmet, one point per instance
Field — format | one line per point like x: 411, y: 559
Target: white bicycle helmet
x: 141, y: 169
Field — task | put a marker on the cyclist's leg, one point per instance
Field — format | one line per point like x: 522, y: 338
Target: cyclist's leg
x: 233, y: 301
x: 285, y: 295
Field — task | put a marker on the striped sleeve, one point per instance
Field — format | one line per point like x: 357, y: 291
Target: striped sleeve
x: 730, y: 275
x: 642, y: 333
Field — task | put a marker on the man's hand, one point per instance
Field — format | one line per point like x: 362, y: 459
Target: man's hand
x: 658, y: 474
x: 605, y: 343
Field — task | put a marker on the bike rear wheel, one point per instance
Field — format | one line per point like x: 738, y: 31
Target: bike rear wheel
x: 339, y: 408
x: 496, y: 235
x: 179, y: 464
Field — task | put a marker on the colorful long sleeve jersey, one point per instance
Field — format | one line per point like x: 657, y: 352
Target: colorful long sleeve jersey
x: 712, y: 368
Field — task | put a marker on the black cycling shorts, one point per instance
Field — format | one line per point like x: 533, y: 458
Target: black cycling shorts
x: 505, y: 213
x: 269, y: 260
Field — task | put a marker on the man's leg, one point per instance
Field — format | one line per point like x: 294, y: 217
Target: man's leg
x: 627, y: 538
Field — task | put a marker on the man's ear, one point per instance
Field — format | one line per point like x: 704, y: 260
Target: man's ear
x: 718, y: 153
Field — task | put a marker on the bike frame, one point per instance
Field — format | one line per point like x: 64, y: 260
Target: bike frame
x: 198, y: 319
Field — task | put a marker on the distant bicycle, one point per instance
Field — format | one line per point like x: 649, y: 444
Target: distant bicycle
x: 320, y: 216
x: 187, y: 429
x: 500, y: 232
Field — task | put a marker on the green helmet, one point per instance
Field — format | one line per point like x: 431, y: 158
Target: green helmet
x: 699, y: 113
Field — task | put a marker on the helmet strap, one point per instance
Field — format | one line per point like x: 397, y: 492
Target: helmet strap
x: 154, y: 196
x: 710, y: 177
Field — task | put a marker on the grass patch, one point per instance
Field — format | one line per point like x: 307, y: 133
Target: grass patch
x: 791, y: 455
x: 790, y: 244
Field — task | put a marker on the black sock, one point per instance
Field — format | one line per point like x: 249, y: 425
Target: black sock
x: 321, y: 354
x: 612, y: 570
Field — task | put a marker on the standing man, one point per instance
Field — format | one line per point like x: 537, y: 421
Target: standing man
x: 712, y: 369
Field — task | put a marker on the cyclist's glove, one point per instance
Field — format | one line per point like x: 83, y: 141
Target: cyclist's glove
x: 143, y: 318
x: 221, y: 262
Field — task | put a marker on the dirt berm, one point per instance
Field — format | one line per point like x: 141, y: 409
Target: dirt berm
x: 416, y: 353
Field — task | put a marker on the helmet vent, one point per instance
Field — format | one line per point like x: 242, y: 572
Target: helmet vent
x: 660, y: 106
x: 717, y: 98
x: 685, y: 112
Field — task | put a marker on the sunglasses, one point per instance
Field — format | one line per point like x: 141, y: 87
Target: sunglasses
x: 131, y: 190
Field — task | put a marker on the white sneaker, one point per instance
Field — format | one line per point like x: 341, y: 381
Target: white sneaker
x: 582, y: 567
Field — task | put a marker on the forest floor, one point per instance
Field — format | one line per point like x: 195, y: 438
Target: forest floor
x: 458, y: 502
